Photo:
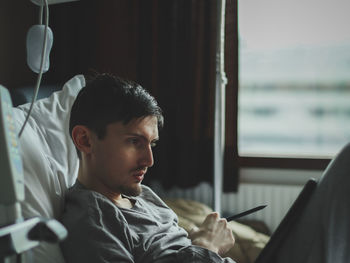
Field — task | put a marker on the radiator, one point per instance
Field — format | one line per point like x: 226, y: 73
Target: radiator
x: 278, y: 198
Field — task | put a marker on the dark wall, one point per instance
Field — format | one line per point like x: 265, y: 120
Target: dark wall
x: 94, y: 36
x: 16, y: 17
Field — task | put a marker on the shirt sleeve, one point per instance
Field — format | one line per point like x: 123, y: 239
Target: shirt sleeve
x: 97, y: 246
x: 196, y: 254
x: 96, y: 233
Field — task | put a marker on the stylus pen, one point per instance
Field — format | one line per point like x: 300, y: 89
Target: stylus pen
x: 230, y: 218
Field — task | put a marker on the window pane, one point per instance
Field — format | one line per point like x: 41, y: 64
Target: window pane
x: 294, y: 70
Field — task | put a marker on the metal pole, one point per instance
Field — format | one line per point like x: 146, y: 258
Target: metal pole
x: 219, y: 121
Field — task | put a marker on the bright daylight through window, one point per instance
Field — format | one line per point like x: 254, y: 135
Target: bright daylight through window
x: 294, y: 77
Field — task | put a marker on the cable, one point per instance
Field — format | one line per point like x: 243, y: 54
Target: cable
x: 41, y: 15
x: 43, y: 55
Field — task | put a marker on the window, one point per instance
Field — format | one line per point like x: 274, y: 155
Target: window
x: 294, y: 77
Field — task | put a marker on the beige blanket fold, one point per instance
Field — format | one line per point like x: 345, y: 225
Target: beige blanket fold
x: 249, y: 242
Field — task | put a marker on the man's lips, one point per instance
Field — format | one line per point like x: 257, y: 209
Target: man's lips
x: 139, y: 175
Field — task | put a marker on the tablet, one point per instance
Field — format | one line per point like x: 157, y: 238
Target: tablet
x: 287, y: 223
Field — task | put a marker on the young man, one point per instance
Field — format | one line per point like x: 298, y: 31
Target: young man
x: 109, y: 214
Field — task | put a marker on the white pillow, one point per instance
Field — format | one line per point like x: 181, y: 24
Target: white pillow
x: 50, y: 162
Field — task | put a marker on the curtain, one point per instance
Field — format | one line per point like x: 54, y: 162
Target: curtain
x: 177, y: 65
x: 231, y: 171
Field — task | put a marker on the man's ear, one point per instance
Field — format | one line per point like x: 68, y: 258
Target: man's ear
x: 81, y: 136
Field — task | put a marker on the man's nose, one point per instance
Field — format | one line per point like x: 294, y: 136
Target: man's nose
x: 147, y: 157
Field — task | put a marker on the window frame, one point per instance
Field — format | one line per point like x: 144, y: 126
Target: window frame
x: 283, y: 163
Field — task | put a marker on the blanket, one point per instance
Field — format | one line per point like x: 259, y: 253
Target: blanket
x: 249, y: 242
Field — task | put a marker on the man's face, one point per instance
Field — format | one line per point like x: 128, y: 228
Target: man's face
x: 120, y: 160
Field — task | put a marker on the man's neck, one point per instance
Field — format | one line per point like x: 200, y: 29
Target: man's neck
x: 125, y: 203
x: 119, y: 200
x: 116, y: 198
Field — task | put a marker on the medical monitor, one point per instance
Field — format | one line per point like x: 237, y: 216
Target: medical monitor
x: 11, y: 174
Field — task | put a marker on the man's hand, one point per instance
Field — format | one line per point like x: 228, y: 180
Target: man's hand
x: 213, y: 234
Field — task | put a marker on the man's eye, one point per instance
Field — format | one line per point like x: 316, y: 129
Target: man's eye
x: 134, y: 140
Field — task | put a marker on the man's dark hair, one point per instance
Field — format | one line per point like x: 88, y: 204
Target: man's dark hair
x: 107, y: 99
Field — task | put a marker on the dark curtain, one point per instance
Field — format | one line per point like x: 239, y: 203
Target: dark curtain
x: 177, y: 64
x: 231, y: 176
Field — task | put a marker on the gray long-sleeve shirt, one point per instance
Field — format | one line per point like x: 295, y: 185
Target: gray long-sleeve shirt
x: 99, y: 231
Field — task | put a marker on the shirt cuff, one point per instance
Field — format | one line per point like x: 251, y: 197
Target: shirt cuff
x: 198, y: 254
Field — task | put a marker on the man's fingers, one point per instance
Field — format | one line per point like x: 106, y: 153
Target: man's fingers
x: 193, y: 230
x: 214, y: 234
x: 211, y: 218
x: 223, y: 222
